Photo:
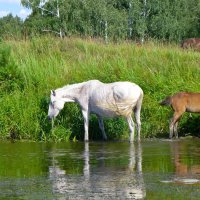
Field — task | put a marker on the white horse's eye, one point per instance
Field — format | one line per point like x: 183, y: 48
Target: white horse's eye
x: 52, y: 104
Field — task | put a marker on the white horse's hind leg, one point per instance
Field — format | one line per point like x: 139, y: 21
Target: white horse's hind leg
x: 131, y: 128
x: 101, y: 126
x: 138, y: 122
x: 86, y: 124
x: 137, y: 110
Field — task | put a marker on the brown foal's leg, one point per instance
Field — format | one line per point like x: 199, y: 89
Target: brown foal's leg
x: 172, y: 126
x: 176, y: 129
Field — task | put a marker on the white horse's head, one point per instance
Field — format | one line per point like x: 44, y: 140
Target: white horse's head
x: 56, y: 105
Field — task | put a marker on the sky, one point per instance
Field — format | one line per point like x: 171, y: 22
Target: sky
x: 14, y: 7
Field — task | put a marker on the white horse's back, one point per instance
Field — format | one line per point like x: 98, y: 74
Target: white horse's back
x: 114, y: 99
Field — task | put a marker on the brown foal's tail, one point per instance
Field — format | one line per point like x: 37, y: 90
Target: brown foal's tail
x: 166, y: 101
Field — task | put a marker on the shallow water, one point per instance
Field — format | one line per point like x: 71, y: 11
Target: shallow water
x: 159, y: 169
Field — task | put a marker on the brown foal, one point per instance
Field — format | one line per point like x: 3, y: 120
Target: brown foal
x: 181, y: 102
x: 191, y: 43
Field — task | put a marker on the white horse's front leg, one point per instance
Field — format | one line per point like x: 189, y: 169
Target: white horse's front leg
x: 131, y: 128
x: 86, y: 124
x: 101, y: 125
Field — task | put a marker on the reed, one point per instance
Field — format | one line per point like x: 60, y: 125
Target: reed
x: 47, y: 63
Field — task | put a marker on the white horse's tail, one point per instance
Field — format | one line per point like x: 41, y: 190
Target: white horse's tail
x: 138, y: 106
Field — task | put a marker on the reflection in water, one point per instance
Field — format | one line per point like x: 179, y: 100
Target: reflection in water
x: 86, y: 170
x: 184, y: 166
x: 101, y: 180
x: 118, y: 170
x: 138, y: 190
x: 56, y: 175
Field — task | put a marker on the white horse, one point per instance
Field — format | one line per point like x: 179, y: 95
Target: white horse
x: 104, y: 100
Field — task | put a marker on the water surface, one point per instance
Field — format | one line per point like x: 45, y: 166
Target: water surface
x: 159, y: 169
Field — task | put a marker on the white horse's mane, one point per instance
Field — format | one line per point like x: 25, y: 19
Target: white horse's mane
x: 69, y: 87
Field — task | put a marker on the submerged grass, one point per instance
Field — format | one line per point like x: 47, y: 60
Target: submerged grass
x: 48, y: 63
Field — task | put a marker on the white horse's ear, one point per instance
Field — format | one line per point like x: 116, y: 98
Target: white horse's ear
x: 53, y: 92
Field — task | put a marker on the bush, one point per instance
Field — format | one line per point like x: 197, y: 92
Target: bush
x: 10, y: 77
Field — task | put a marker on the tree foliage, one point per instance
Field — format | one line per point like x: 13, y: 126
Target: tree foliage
x: 170, y: 20
x: 11, y: 26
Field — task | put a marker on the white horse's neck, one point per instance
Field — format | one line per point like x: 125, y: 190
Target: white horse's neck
x: 70, y: 91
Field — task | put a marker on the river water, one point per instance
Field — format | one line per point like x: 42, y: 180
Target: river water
x: 157, y: 169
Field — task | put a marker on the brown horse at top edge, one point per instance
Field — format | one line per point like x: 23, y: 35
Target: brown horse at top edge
x: 181, y: 102
x: 191, y: 43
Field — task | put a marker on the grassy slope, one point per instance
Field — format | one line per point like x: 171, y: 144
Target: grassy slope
x: 49, y: 63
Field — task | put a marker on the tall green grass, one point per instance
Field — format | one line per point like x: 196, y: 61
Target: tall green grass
x: 48, y: 63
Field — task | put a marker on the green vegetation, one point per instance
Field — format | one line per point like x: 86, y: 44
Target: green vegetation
x: 11, y: 27
x: 30, y: 69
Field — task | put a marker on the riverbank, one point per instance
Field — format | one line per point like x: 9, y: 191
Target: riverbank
x: 30, y: 69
